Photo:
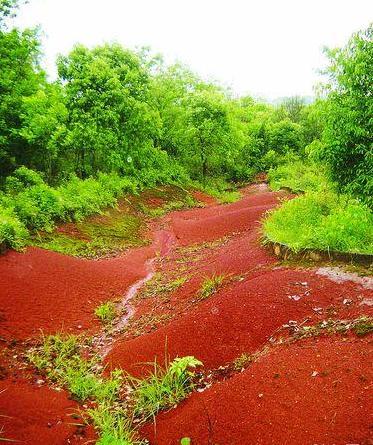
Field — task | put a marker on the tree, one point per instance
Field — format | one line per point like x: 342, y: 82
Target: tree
x: 211, y: 129
x: 20, y: 77
x: 7, y: 9
x: 44, y: 117
x: 293, y: 107
x: 349, y: 125
x: 111, y: 122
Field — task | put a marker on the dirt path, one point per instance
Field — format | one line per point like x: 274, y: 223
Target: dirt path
x: 278, y: 400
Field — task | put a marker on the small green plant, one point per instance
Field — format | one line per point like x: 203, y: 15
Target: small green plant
x: 185, y: 441
x: 59, y: 358
x: 242, y: 361
x: 210, y: 285
x: 363, y: 326
x: 106, y: 312
x: 164, y: 388
x: 113, y: 425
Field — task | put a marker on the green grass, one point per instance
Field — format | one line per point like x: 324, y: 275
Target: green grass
x: 164, y: 388
x: 210, y: 285
x: 114, y: 232
x: 114, y: 425
x: 157, y: 212
x: 59, y: 358
x: 363, y: 326
x: 322, y: 221
x: 106, y: 312
x: 224, y: 191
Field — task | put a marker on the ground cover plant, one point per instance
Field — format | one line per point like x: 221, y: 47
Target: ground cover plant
x: 106, y: 312
x: 60, y: 358
x: 324, y: 221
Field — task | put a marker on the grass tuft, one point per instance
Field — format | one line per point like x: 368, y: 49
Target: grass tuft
x: 106, y: 312
x: 59, y: 358
x: 113, y: 425
x: 210, y: 285
x: 164, y: 388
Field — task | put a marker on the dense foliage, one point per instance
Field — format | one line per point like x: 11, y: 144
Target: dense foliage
x: 349, y: 130
x: 116, y: 119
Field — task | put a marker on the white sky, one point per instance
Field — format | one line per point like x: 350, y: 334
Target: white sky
x: 270, y: 48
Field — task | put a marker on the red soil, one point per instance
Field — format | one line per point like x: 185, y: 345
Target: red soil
x: 279, y: 400
x: 241, y: 319
x: 41, y: 290
x: 37, y: 415
x: 46, y: 291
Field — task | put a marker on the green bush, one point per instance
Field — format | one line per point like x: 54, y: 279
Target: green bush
x: 12, y: 232
x: 299, y: 176
x: 82, y: 198
x: 38, y: 207
x: 21, y: 179
x: 324, y: 221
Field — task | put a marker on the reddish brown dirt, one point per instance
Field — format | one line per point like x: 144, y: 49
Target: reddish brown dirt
x: 278, y: 401
x: 241, y: 319
x: 46, y: 291
x: 41, y: 290
x: 33, y: 415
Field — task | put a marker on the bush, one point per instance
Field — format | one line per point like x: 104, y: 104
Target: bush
x: 12, y: 232
x: 299, y: 176
x: 322, y: 221
x: 82, y: 198
x: 38, y: 207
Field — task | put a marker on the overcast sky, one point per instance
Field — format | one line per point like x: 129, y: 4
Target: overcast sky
x: 270, y: 48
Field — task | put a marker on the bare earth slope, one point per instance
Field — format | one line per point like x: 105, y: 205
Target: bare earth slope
x: 312, y: 391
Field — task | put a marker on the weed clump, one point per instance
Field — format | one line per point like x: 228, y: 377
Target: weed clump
x: 210, y: 285
x: 106, y: 312
x: 112, y: 413
x: 164, y: 388
x: 60, y: 359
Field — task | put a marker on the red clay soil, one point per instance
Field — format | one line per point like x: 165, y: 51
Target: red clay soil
x: 313, y: 392
x: 242, y: 319
x: 46, y: 291
x: 41, y: 290
x: 38, y: 415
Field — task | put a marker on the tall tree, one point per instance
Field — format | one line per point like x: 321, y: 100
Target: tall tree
x: 20, y: 77
x: 349, y: 126
x: 111, y: 122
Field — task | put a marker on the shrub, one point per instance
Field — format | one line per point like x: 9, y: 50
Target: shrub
x: 38, y: 207
x: 299, y: 176
x: 164, y: 388
x: 322, y: 221
x: 26, y: 177
x: 82, y: 198
x: 12, y: 232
